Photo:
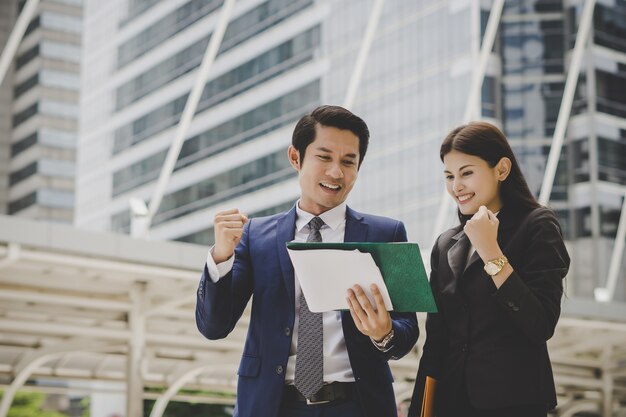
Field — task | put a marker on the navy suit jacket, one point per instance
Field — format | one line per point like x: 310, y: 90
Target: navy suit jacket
x: 263, y: 271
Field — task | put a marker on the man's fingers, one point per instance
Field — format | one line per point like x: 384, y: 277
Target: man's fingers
x: 232, y: 224
x: 230, y: 217
x: 232, y: 234
x: 378, y: 297
x: 365, y: 302
x: 355, y: 317
x: 229, y: 211
x: 357, y: 307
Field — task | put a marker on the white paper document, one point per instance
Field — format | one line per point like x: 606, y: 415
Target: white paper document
x: 326, y: 274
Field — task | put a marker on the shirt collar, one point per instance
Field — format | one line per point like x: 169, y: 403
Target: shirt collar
x: 332, y: 218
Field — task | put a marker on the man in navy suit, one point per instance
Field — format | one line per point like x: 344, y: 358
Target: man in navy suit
x: 298, y: 363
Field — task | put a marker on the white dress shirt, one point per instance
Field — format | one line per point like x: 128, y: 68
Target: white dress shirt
x: 336, y: 362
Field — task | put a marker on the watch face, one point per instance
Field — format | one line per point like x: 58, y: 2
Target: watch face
x: 492, y: 269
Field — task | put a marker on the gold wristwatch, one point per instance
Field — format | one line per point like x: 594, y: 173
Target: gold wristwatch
x: 495, y: 265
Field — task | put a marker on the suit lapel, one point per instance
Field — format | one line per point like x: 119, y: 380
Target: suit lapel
x: 356, y: 227
x: 457, y: 254
x: 285, y: 232
x: 472, y: 260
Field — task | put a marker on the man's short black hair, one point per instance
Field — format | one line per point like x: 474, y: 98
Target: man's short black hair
x: 329, y: 116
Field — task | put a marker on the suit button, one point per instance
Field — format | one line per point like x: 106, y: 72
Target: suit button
x: 287, y: 331
x: 279, y: 369
x: 515, y: 308
x: 464, y: 348
x: 510, y: 304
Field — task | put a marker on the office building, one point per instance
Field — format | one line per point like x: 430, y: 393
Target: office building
x: 41, y: 96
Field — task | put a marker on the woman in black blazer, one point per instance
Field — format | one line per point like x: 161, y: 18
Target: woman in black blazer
x: 497, y: 280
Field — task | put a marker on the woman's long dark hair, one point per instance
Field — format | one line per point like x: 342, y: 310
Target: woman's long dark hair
x: 487, y: 142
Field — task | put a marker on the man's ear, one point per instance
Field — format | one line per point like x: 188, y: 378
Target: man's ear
x: 294, y: 157
x: 503, y: 168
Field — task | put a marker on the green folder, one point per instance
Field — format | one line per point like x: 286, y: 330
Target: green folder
x: 400, y: 265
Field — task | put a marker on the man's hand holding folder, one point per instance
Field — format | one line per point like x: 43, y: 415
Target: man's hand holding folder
x: 333, y: 268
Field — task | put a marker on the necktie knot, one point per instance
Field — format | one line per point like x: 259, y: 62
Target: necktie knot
x: 316, y: 224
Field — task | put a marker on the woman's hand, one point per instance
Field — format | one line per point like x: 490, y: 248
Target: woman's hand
x: 482, y: 231
x: 372, y: 321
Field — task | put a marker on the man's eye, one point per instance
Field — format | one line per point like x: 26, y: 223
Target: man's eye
x: 348, y: 162
x: 324, y: 157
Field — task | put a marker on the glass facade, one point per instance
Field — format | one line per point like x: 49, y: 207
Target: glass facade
x: 261, y: 69
x: 190, y: 58
x: 244, y: 128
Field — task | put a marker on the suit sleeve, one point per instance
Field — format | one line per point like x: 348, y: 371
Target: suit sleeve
x: 531, y: 296
x: 436, y: 340
x: 404, y: 325
x: 219, y: 305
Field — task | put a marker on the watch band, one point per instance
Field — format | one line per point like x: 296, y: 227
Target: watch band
x: 494, y: 266
x: 384, y: 344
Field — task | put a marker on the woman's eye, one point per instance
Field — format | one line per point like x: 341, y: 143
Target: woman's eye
x: 449, y: 177
x: 466, y: 173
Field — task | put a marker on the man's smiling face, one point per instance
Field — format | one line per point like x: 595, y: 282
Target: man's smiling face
x: 328, y: 170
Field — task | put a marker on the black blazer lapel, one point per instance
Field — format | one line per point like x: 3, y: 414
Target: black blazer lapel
x: 285, y: 232
x: 473, y: 259
x: 457, y: 254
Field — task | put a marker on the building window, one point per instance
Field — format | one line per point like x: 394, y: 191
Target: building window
x: 611, y: 88
x: 24, y: 115
x: 26, y: 85
x: 136, y: 8
x: 26, y: 57
x: 24, y: 144
x: 22, y: 203
x: 609, y: 26
x: 612, y: 160
x: 22, y: 174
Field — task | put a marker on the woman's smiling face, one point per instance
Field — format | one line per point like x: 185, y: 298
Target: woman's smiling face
x: 473, y: 183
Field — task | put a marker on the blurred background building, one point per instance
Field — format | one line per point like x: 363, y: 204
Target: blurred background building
x: 277, y: 61
x: 40, y: 101
x: 280, y: 58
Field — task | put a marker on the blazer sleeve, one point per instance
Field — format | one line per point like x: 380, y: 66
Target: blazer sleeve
x: 436, y: 340
x: 219, y: 305
x: 531, y: 296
